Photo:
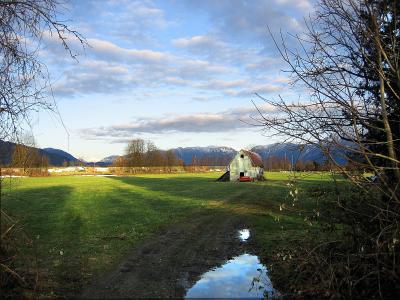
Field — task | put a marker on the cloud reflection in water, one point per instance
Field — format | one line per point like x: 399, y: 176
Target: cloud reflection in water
x: 233, y: 280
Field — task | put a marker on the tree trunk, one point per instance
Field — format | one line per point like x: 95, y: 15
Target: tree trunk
x: 385, y: 119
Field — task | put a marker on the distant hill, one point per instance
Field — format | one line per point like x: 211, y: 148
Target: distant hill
x: 211, y: 155
x: 221, y: 156
x: 106, y: 161
x: 60, y: 153
x: 296, y: 152
x: 109, y: 159
x: 6, y: 150
x: 56, y: 157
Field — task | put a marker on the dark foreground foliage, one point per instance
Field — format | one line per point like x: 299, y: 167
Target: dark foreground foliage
x: 350, y: 251
x: 15, y: 281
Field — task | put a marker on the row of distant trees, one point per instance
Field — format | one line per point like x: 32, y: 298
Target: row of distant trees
x: 28, y: 157
x: 274, y: 163
x: 144, y: 153
x: 271, y: 163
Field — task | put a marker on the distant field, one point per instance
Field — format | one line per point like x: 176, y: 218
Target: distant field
x: 83, y: 225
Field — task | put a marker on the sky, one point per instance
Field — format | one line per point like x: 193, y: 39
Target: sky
x: 179, y: 73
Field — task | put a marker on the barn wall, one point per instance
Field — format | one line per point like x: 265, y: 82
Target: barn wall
x: 239, y: 164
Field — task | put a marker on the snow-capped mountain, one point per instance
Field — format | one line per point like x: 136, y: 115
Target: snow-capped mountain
x: 211, y: 155
x: 109, y: 159
x: 216, y: 155
x: 298, y: 152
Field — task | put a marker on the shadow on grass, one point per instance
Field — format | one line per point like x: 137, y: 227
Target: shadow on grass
x: 55, y: 229
x: 251, y: 200
x: 265, y: 195
x: 259, y: 201
x: 85, y: 227
x: 201, y: 188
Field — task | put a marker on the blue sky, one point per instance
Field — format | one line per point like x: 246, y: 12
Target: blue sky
x: 181, y: 73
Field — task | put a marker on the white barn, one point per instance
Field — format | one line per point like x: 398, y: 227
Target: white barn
x: 246, y: 164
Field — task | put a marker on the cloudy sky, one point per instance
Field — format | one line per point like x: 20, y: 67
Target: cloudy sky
x: 181, y: 73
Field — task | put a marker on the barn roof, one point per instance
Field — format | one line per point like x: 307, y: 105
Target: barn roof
x: 256, y: 159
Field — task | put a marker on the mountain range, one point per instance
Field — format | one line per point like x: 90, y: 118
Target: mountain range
x: 56, y: 157
x: 294, y: 152
x: 109, y: 159
x: 215, y: 155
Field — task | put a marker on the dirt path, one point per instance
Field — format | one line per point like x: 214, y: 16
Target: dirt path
x: 171, y: 262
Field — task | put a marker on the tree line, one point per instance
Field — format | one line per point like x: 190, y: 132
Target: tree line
x: 28, y: 158
x: 275, y: 163
x: 144, y: 153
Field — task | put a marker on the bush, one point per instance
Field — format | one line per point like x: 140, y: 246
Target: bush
x: 351, y: 249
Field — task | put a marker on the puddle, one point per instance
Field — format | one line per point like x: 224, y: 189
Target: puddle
x: 241, y: 277
x: 244, y: 235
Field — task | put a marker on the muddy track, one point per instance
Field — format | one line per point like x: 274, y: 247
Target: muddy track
x: 172, y: 261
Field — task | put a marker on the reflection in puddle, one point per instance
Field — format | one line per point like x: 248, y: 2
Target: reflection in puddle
x: 244, y: 234
x: 241, y: 277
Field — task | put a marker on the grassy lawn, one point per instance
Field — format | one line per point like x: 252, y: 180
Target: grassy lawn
x: 83, y: 225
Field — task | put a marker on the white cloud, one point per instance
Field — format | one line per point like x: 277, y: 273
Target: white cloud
x: 215, y: 50
x: 94, y: 77
x: 195, y: 41
x: 200, y: 69
x: 224, y: 121
x: 242, y: 87
x: 303, y: 5
x: 107, y: 50
x: 109, y: 68
x: 204, y: 62
x: 244, y: 21
x: 219, y: 84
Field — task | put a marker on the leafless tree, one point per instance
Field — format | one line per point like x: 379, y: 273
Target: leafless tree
x: 154, y: 157
x: 135, y: 153
x: 348, y: 64
x: 170, y: 159
x: 24, y: 82
x: 27, y: 157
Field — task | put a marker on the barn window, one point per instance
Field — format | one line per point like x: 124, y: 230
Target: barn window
x: 241, y: 156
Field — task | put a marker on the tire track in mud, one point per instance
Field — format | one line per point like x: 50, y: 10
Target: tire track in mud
x: 172, y: 261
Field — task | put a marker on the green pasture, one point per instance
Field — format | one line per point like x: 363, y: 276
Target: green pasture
x: 83, y: 225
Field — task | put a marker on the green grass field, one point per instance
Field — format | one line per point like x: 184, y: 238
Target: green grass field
x: 83, y: 225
